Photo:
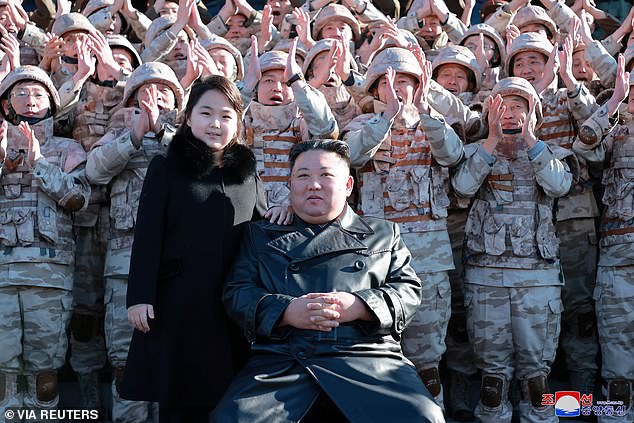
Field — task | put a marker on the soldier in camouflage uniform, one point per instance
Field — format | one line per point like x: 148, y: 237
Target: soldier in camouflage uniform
x: 87, y: 116
x: 42, y: 180
x: 512, y: 284
x: 278, y: 116
x: 564, y: 110
x: 611, y: 147
x: 402, y: 178
x: 324, y: 62
x: 32, y: 39
x: 456, y: 70
x: 120, y: 159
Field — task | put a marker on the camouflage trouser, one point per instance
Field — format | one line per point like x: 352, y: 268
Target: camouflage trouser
x: 578, y: 335
x: 514, y: 332
x: 88, y: 348
x: 118, y: 336
x: 424, y: 338
x: 33, y: 323
x: 460, y: 356
x: 614, y: 295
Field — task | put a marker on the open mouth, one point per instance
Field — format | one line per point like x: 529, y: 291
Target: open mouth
x: 452, y: 91
x: 275, y: 13
x: 277, y: 99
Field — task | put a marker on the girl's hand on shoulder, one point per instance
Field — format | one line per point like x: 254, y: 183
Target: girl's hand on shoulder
x: 281, y: 215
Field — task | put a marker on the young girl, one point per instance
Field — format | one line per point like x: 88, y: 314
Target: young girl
x: 191, y: 214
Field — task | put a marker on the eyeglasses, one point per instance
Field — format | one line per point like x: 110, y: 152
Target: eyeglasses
x: 473, y: 46
x: 23, y: 94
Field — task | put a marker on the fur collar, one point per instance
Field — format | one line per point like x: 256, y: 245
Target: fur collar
x: 197, y: 159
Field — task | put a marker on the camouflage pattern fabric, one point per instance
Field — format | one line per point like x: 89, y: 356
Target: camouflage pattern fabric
x: 578, y: 251
x: 614, y: 295
x: 118, y: 336
x: 514, y: 332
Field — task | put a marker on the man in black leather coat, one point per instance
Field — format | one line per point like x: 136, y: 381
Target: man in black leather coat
x: 324, y: 301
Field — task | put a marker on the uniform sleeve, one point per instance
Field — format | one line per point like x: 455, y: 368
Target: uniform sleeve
x: 217, y: 26
x: 34, y: 37
x: 394, y: 303
x: 139, y: 23
x: 365, y: 137
x: 446, y: 146
x: 501, y: 19
x: 256, y: 310
x: 450, y: 106
x: 602, y: 62
x: 454, y: 28
x: 561, y: 14
x: 109, y: 157
x: 101, y: 19
x: 581, y: 103
x: 160, y: 47
x: 611, y: 45
x: 69, y: 189
x: 472, y: 171
x: 148, y: 235
x: 552, y: 174
x: 595, y: 136
x: 317, y: 115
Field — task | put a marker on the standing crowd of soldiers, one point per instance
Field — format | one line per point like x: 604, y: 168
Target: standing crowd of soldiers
x: 501, y: 149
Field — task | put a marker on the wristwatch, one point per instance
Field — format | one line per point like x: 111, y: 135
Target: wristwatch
x: 295, y: 77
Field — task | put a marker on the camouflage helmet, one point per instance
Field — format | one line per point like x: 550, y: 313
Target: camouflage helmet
x: 161, y: 24
x: 399, y: 59
x: 72, y: 22
x: 522, y: 88
x: 491, y: 33
x: 535, y: 15
x: 217, y: 42
x: 334, y: 12
x: 95, y: 5
x: 116, y: 40
x: 30, y: 73
x: 530, y: 41
x: 320, y: 47
x: 273, y: 60
x: 153, y: 72
x: 461, y: 56
x: 285, y: 45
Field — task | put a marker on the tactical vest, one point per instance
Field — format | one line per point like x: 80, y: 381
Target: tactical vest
x: 271, y: 131
x: 125, y: 193
x: 342, y: 104
x: 33, y: 228
x: 510, y: 224
x: 617, y: 224
x: 558, y: 129
x: 404, y: 184
x: 92, y: 112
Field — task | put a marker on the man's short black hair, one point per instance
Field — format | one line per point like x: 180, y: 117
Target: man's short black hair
x: 334, y: 146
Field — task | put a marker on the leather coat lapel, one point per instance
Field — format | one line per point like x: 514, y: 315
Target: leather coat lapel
x: 302, y: 244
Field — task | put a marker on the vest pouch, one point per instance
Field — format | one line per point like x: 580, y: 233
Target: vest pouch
x: 474, y: 232
x: 494, y: 236
x: 438, y: 192
x: 277, y: 195
x: 623, y: 206
x: 47, y: 217
x: 371, y: 194
x: 24, y: 225
x: 120, y: 210
x: 12, y: 191
x: 397, y: 185
x: 547, y: 241
x: 503, y: 193
x: 522, y: 241
x: 420, y: 182
x: 8, y: 234
x: 609, y: 194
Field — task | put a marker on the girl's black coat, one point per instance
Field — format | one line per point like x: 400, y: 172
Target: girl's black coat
x: 188, y: 230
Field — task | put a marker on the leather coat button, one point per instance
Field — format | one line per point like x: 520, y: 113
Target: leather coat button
x: 293, y: 267
x: 400, y: 325
x: 302, y: 355
x: 359, y: 265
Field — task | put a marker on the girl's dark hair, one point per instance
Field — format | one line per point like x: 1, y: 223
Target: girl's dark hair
x: 228, y: 89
